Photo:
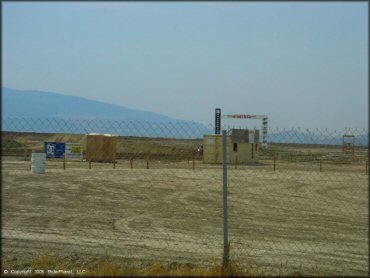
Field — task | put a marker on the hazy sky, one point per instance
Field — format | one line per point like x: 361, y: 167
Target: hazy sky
x: 302, y: 64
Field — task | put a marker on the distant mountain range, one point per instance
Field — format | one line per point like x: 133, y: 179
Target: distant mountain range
x: 39, y: 104
x: 47, y: 112
x: 50, y: 112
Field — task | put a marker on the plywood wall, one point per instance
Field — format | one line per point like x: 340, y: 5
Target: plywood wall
x: 100, y: 148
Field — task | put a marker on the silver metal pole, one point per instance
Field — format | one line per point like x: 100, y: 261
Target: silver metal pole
x: 224, y: 163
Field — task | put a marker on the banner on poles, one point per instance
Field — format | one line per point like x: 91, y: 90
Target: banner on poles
x: 54, y: 149
x: 73, y: 151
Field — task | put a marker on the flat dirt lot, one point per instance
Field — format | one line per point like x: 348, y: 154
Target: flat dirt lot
x: 292, y: 220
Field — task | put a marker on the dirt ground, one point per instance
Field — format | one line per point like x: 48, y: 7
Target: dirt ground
x: 292, y: 220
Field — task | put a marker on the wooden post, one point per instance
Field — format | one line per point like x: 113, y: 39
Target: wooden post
x: 64, y: 161
x: 131, y: 162
x: 236, y: 162
x: 367, y: 167
x: 89, y: 164
x: 193, y: 162
x: 320, y: 164
x: 274, y: 163
x: 31, y: 151
x: 147, y: 163
x: 114, y: 164
x: 27, y: 155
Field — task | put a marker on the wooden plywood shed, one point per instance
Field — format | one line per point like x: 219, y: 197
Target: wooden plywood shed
x: 240, y: 147
x: 101, y: 147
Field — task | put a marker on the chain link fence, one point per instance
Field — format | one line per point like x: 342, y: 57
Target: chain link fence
x: 147, y: 192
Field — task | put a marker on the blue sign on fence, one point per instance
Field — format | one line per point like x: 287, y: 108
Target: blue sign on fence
x: 54, y: 149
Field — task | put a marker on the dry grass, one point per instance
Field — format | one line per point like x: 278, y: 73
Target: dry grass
x: 108, y: 268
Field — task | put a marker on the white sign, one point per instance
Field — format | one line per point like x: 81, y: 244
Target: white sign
x: 251, y: 136
x: 73, y: 151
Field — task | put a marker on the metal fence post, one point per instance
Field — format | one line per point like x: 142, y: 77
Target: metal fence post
x: 224, y: 164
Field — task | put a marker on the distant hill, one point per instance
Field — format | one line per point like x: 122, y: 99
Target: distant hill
x: 39, y: 104
x: 40, y: 111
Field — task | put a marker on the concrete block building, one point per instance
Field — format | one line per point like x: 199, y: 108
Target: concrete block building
x: 242, y: 145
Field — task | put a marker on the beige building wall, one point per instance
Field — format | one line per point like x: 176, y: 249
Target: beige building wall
x: 212, y: 150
